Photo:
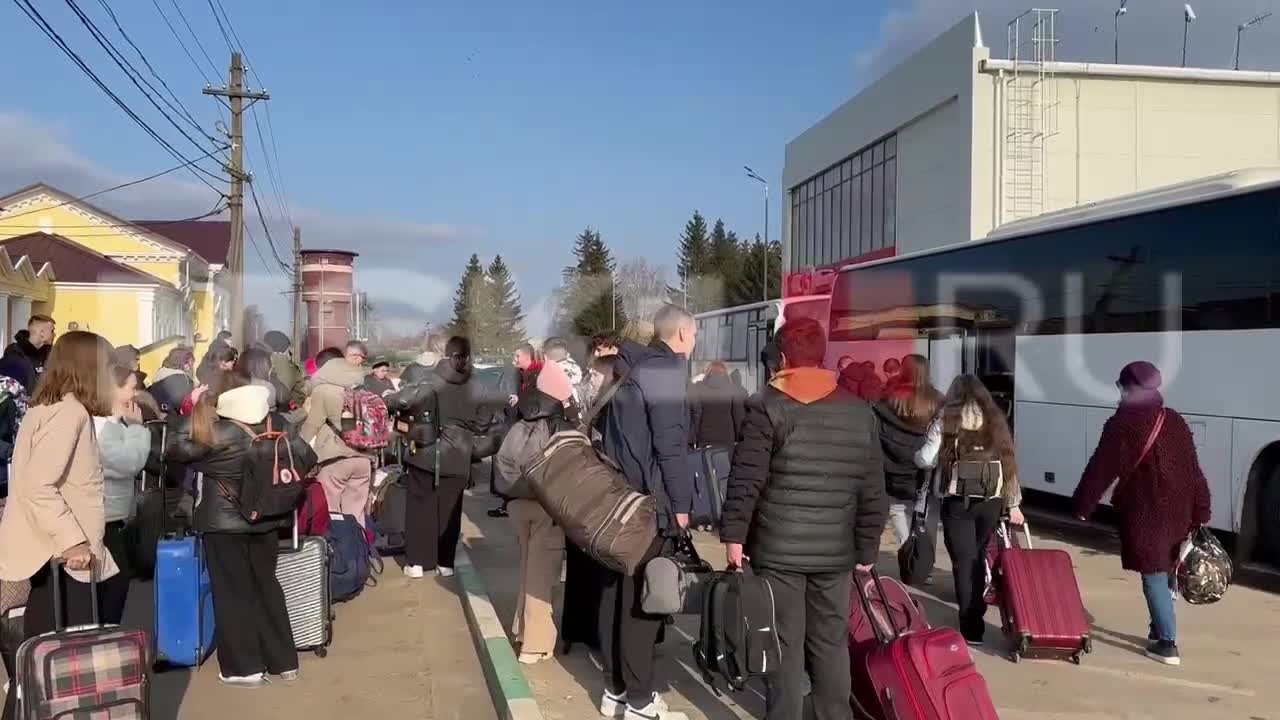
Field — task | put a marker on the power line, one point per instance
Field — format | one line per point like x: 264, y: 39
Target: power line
x: 183, y: 45
x: 182, y: 109
x: 194, y: 36
x: 133, y: 75
x: 113, y: 188
x: 36, y: 18
x: 253, y: 193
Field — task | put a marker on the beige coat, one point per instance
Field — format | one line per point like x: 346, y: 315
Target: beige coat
x: 324, y: 409
x: 55, y: 493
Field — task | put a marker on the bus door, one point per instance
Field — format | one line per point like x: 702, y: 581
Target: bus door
x: 951, y: 353
x: 757, y: 338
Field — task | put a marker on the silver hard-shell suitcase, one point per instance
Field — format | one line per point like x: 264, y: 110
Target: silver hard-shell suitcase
x: 303, y: 572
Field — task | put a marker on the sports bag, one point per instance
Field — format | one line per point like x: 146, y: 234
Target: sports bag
x: 365, y: 423
x: 1204, y: 569
x: 918, y: 554
x: 270, y: 484
x: 586, y: 495
x: 674, y: 584
x: 739, y: 637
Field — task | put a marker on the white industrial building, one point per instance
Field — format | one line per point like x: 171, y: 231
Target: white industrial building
x: 953, y: 143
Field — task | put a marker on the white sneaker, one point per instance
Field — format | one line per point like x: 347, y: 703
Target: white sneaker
x: 244, y: 681
x: 532, y: 658
x: 444, y: 572
x: 655, y: 710
x: 613, y: 706
x: 413, y: 571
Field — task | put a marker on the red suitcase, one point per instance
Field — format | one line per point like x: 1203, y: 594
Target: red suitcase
x: 921, y: 675
x: 1040, y: 603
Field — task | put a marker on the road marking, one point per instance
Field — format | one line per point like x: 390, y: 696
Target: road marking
x: 1161, y: 679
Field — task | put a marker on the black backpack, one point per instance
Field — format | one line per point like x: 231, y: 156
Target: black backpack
x: 978, y: 471
x: 271, y: 485
x: 739, y: 637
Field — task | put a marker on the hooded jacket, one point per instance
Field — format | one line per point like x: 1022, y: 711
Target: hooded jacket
x: 221, y: 467
x: 806, y: 491
x: 324, y: 409
x: 541, y: 416
x: 30, y: 359
x: 900, y: 441
x: 170, y: 388
x: 123, y: 451
x: 646, y: 430
x: 442, y: 414
x: 717, y: 408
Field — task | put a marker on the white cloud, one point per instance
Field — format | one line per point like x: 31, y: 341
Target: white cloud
x: 390, y: 249
x: 1151, y: 32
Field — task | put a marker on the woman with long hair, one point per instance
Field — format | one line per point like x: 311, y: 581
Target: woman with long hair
x: 910, y: 406
x: 220, y: 358
x: 978, y: 483
x: 1161, y: 495
x: 254, y: 368
x: 252, y: 632
x: 55, y: 519
x: 124, y: 443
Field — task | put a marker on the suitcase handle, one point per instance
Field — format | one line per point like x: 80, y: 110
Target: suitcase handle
x: 1005, y: 533
x: 55, y: 571
x: 871, y: 615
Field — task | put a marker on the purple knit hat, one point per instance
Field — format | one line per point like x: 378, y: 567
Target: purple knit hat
x: 1141, y: 374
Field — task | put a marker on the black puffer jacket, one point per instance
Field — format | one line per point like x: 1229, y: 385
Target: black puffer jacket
x: 806, y: 492
x: 899, y: 440
x: 442, y: 411
x: 222, y: 467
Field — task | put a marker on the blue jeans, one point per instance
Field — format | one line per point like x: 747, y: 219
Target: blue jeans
x: 1160, y: 603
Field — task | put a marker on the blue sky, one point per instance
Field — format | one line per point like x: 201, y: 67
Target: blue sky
x: 421, y: 132
x: 505, y: 128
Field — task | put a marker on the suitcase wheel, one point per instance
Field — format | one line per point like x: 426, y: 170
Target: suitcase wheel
x: 1088, y: 645
x: 1075, y: 659
x: 1014, y: 656
x: 321, y: 652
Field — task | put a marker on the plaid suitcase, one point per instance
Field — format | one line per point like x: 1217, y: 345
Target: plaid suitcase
x: 303, y: 572
x: 92, y: 672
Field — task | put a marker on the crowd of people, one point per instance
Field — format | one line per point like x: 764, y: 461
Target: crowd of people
x: 822, y: 461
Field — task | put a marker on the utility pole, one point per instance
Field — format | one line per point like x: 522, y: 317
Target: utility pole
x: 298, y: 320
x: 236, y: 92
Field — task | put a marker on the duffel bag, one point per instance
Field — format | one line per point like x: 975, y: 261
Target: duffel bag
x: 674, y: 583
x: 589, y: 499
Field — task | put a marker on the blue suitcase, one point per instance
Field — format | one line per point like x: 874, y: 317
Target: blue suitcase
x: 184, y: 603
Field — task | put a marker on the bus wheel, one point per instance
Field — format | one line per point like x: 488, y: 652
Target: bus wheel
x: 1268, y: 516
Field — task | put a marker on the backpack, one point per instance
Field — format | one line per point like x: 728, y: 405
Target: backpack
x: 365, y: 425
x: 739, y: 637
x: 270, y: 485
x: 977, y: 472
x: 351, y: 561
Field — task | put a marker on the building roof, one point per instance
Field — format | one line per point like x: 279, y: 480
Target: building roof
x: 210, y: 239
x: 74, y: 263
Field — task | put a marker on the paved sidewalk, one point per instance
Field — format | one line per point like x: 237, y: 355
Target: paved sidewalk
x: 1229, y: 669
x: 401, y: 650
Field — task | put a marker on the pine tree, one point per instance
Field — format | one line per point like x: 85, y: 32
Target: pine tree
x: 468, y: 300
x: 748, y: 287
x: 588, y: 300
x: 726, y: 260
x: 507, y: 318
x: 700, y: 288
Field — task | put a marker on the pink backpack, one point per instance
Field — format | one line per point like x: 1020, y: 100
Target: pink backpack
x: 365, y: 425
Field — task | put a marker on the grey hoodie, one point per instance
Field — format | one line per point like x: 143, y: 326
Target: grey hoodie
x: 324, y: 408
x: 122, y: 451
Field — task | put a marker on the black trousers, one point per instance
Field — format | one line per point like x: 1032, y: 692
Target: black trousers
x: 253, y: 634
x: 628, y: 638
x: 77, y: 609
x: 813, y: 620
x: 966, y: 529
x: 433, y: 519
x: 113, y: 592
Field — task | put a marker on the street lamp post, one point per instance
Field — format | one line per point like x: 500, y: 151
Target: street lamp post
x: 764, y: 268
x: 1123, y: 10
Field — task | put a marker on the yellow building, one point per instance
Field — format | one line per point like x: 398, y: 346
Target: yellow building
x: 151, y: 284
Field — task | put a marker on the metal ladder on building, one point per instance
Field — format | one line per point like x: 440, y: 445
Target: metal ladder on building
x: 1031, y: 111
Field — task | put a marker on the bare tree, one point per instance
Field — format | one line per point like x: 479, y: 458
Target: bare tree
x: 642, y: 288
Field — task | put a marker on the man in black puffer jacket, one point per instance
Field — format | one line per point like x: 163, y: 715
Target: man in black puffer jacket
x: 806, y: 504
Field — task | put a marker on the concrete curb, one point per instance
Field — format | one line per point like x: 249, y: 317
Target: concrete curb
x: 508, y: 687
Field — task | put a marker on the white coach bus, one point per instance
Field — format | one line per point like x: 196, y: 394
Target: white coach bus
x: 736, y: 336
x: 1047, y: 310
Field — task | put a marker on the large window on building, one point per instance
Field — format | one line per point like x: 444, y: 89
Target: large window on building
x: 847, y: 210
